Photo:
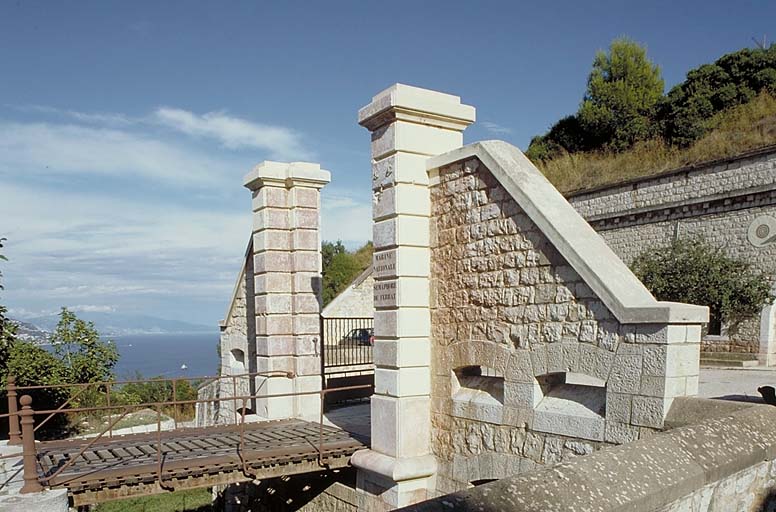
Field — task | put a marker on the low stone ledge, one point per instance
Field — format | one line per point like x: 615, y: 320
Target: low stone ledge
x: 640, y: 476
x: 690, y: 410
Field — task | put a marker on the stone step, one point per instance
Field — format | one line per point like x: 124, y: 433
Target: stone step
x: 730, y: 356
x: 705, y: 361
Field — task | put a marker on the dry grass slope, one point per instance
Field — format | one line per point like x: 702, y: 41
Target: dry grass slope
x: 743, y: 128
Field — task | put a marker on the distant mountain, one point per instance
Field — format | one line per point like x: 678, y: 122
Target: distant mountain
x: 116, y: 324
x: 30, y: 332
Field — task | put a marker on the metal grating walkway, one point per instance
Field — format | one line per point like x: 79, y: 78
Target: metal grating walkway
x: 131, y: 465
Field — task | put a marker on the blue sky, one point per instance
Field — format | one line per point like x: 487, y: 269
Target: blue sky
x: 126, y: 128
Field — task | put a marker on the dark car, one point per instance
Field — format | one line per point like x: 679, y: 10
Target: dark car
x: 361, y: 336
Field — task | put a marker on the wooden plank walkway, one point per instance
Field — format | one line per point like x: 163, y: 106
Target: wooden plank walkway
x: 128, y: 465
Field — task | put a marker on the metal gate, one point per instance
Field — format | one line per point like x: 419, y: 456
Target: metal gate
x: 346, y: 356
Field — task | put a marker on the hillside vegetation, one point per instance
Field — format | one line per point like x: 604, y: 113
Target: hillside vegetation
x: 732, y: 132
x: 626, y: 127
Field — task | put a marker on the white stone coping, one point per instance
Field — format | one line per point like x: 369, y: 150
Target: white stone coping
x: 286, y: 174
x: 419, y: 101
x: 396, y: 469
x: 584, y: 249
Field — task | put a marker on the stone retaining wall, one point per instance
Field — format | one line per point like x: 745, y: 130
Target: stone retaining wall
x: 719, y: 201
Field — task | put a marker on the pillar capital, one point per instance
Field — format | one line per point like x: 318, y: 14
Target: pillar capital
x: 401, y: 102
x: 280, y: 174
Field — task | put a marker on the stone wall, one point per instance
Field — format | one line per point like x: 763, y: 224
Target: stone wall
x: 720, y: 201
x: 529, y: 366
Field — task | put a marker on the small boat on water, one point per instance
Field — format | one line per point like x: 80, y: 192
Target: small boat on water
x: 184, y: 367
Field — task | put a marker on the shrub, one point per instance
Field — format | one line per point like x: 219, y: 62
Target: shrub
x: 695, y: 272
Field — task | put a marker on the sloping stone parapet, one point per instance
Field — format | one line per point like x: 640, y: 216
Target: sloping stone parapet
x: 720, y: 464
x: 545, y: 346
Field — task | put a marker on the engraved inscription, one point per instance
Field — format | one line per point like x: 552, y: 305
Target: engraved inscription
x: 385, y: 263
x: 385, y: 293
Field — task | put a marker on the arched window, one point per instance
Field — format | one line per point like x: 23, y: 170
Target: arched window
x: 238, y: 361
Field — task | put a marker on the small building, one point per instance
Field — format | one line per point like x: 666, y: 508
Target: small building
x: 355, y: 301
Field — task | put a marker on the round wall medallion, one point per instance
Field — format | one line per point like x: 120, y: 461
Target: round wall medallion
x: 762, y: 231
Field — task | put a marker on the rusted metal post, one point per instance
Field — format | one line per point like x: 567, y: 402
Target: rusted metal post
x: 30, y: 472
x: 110, y: 411
x: 174, y: 405
x: 234, y: 397
x: 14, y: 434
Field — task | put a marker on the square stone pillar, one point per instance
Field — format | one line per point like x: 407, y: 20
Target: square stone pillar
x: 767, y: 353
x: 287, y: 284
x: 408, y: 126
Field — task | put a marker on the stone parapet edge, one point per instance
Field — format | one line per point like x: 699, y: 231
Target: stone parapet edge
x: 640, y: 476
x: 584, y: 249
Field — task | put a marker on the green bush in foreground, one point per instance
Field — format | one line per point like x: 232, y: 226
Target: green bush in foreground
x: 695, y: 272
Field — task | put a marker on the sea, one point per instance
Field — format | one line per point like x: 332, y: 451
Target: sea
x: 167, y: 355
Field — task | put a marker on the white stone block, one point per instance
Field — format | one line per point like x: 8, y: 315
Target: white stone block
x: 305, y: 240
x: 271, y: 239
x: 307, y: 282
x: 304, y: 197
x: 401, y: 427
x: 304, y: 218
x: 683, y: 360
x: 274, y: 325
x: 401, y: 199
x: 275, y: 197
x: 402, y: 382
x: 273, y: 303
x: 306, y: 324
x: 402, y: 261
x: 275, y: 346
x: 271, y: 218
x: 399, y: 168
x: 402, y: 352
x: 305, y: 303
x: 402, y: 323
x: 401, y: 231
x: 414, y: 138
x: 402, y: 292
x: 272, y: 261
x: 274, y: 282
x: 661, y: 333
x: 306, y: 261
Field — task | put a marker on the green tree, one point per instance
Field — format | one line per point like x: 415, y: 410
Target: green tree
x: 86, y: 356
x: 693, y: 271
x: 7, y: 328
x: 623, y: 90
x: 565, y: 135
x: 733, y: 79
x: 340, y: 267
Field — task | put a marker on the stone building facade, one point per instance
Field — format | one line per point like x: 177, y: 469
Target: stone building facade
x: 731, y: 203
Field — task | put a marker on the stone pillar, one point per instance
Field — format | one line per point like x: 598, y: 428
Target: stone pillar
x: 287, y: 284
x: 767, y: 355
x: 408, y: 126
